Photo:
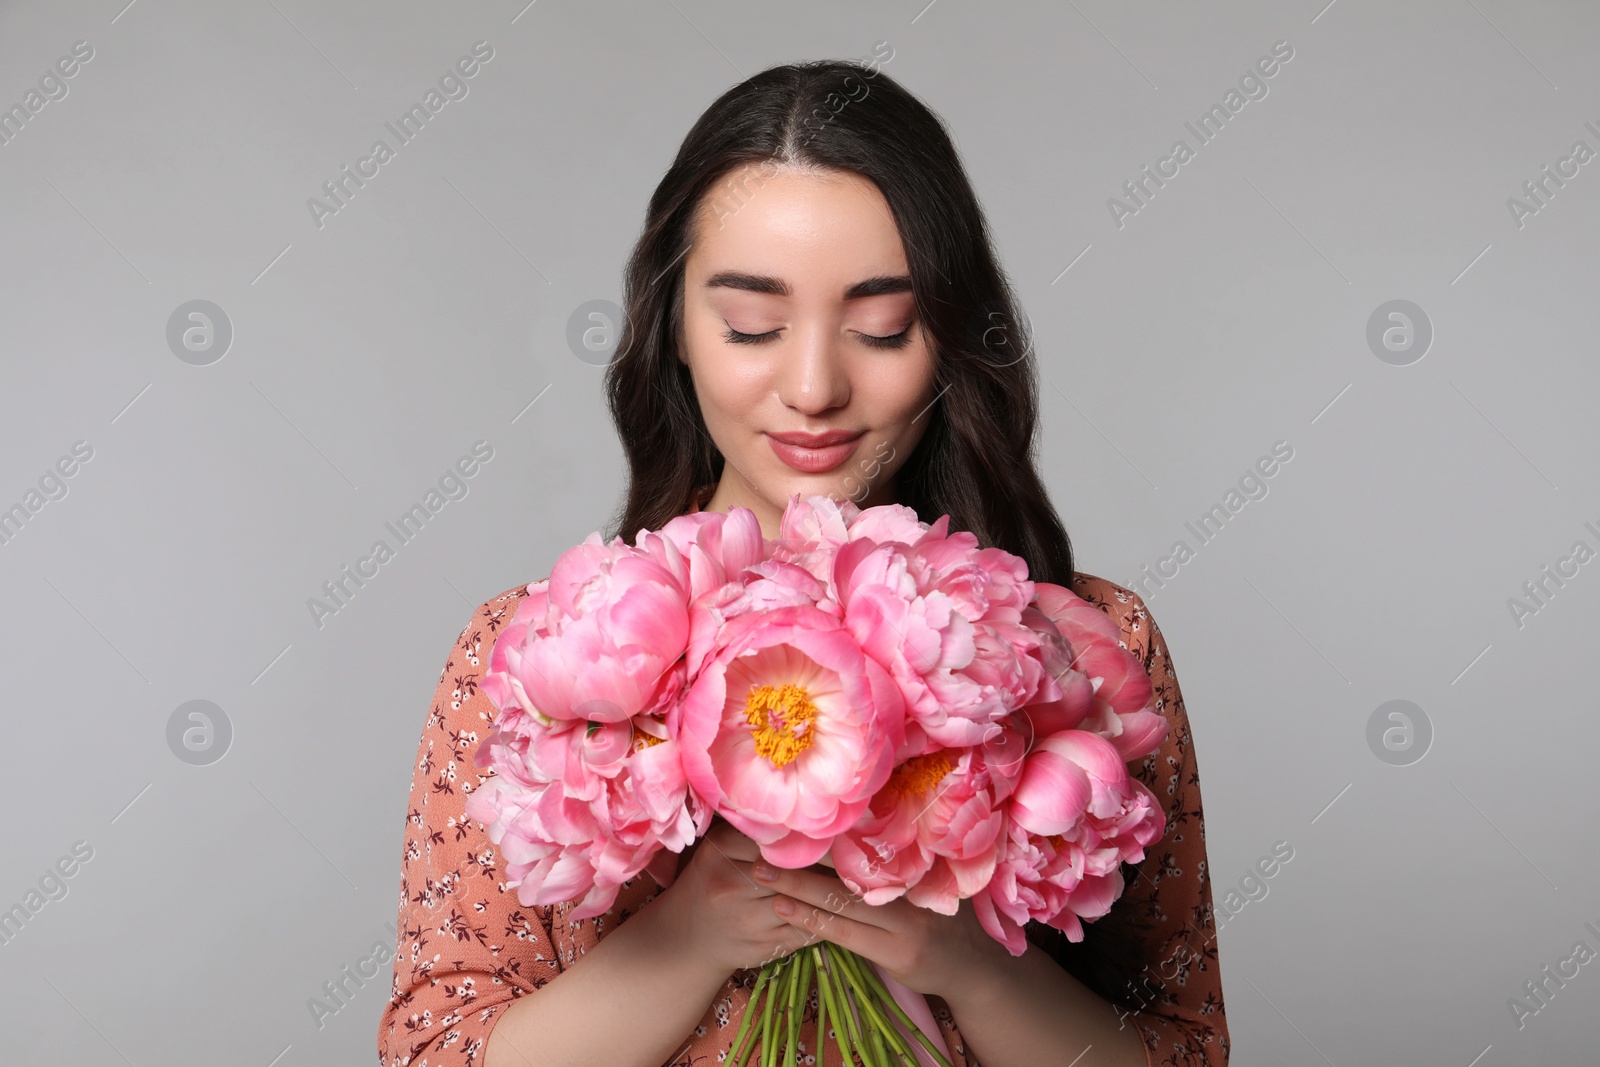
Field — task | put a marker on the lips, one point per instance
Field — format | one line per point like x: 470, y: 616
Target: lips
x: 814, y: 453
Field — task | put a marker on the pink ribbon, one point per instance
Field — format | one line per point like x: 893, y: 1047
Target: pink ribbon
x: 915, y: 1005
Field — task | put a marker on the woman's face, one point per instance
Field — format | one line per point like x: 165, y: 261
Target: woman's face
x: 798, y: 320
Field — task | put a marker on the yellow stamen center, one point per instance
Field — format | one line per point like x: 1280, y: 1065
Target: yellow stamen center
x: 642, y: 740
x: 782, y: 719
x: 917, y: 775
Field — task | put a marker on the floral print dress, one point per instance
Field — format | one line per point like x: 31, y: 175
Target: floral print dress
x: 467, y: 947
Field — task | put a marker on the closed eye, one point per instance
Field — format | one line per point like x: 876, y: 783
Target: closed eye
x: 735, y: 337
x: 898, y: 340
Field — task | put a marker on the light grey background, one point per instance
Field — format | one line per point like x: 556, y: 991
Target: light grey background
x: 369, y: 354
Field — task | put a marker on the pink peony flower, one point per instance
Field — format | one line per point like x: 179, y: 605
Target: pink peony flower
x: 555, y: 850
x: 706, y: 549
x: 866, y: 687
x: 501, y: 683
x: 1138, y: 822
x: 1033, y: 878
x: 811, y: 531
x: 789, y: 730
x: 580, y: 808
x: 765, y: 587
x: 1066, y: 777
x: 817, y: 520
x: 617, y: 621
x: 930, y: 832
x: 947, y: 619
x: 1075, y: 817
x: 1118, y: 703
x: 892, y: 522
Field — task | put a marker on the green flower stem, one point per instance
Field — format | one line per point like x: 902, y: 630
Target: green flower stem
x: 815, y: 955
x: 880, y: 1029
x: 849, y: 992
x: 797, y: 1004
x: 740, y: 1052
x: 849, y: 1035
x: 786, y: 1011
x: 825, y: 988
x: 875, y: 1035
x: 766, y: 1015
x: 791, y: 1011
x: 887, y: 999
x: 860, y: 1024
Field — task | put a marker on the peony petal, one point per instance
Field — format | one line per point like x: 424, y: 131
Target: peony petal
x: 1142, y: 733
x: 1052, y: 795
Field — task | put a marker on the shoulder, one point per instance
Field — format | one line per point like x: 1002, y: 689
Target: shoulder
x: 501, y: 607
x: 487, y: 620
x: 1122, y: 605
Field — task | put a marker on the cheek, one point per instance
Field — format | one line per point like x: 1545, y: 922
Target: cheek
x: 916, y: 404
x: 730, y: 383
x: 729, y: 386
x: 901, y: 394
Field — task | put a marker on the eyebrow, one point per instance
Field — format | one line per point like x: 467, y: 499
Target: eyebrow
x: 766, y: 283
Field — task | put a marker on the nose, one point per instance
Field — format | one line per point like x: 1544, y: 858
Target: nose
x: 813, y: 376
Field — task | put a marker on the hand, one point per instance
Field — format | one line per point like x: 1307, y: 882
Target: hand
x: 719, y: 915
x: 924, y: 950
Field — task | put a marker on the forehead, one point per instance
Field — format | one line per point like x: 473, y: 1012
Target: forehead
x: 817, y: 231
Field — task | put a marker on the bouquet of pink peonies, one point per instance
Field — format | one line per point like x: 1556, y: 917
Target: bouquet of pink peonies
x: 866, y: 689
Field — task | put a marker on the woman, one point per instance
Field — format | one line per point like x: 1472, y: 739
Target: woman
x: 813, y: 307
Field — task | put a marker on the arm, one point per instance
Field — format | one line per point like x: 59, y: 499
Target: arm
x: 466, y: 948
x: 1177, y: 1002
x: 631, y: 1002
x: 1028, y: 1010
x: 471, y: 957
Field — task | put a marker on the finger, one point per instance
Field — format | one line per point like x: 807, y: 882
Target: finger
x: 821, y: 924
x: 743, y: 867
x: 823, y: 891
x: 786, y: 938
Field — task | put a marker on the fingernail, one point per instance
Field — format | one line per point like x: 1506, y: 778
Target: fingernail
x: 764, y: 872
x: 784, y: 905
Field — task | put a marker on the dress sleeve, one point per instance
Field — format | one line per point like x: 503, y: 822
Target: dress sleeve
x: 1179, y: 1012
x: 465, y: 947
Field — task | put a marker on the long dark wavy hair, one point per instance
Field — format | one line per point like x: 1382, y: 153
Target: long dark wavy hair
x: 975, y: 461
